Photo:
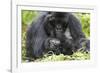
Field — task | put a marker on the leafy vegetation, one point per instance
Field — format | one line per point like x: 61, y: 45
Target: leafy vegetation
x: 29, y: 16
x: 85, y: 20
x: 61, y: 57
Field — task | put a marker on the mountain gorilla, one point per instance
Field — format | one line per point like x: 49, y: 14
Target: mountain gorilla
x: 57, y: 32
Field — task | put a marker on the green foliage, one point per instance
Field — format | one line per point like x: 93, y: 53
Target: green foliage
x: 85, y: 21
x: 28, y: 16
x: 76, y: 56
x: 23, y: 45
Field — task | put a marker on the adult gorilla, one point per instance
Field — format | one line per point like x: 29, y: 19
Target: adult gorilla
x: 59, y: 32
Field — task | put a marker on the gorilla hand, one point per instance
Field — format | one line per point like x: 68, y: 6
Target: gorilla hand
x: 52, y: 43
x: 54, y: 46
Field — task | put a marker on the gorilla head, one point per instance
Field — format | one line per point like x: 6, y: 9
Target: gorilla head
x: 57, y: 22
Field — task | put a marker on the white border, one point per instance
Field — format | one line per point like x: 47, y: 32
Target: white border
x: 17, y: 66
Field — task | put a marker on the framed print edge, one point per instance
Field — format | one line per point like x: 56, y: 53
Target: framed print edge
x: 18, y: 66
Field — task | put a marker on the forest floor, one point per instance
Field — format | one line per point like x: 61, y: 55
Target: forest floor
x: 61, y: 57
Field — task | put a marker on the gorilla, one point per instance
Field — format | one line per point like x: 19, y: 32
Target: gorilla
x: 58, y: 32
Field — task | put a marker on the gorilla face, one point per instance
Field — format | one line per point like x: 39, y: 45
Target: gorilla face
x: 57, y: 24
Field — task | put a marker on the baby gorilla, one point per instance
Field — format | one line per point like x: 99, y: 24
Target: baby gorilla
x: 55, y: 46
x: 52, y: 46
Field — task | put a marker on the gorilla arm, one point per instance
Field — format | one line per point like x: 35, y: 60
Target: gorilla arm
x: 75, y: 28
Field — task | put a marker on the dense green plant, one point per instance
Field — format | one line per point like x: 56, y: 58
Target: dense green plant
x: 85, y: 21
x: 28, y: 16
x: 76, y: 56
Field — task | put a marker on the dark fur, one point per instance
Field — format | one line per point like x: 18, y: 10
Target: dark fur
x: 51, y: 26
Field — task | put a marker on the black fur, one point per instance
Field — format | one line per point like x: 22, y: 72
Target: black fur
x: 52, y: 26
